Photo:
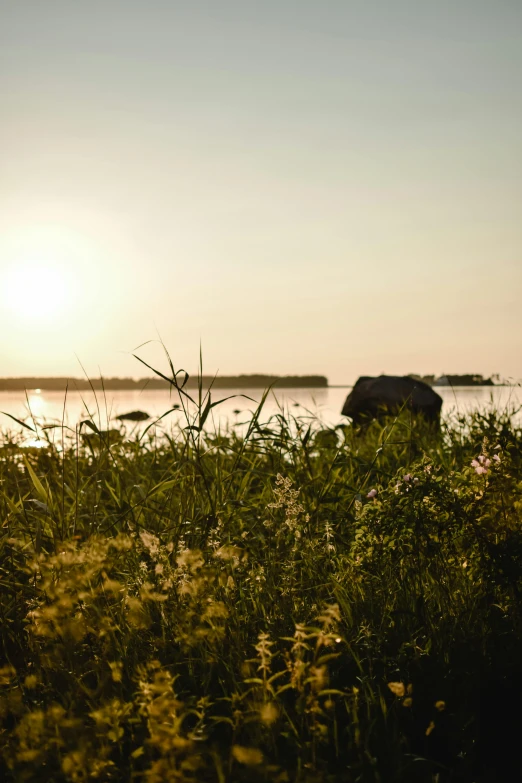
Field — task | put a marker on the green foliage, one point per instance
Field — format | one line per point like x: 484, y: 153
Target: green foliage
x: 293, y: 603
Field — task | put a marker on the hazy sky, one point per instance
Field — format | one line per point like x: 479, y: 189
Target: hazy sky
x: 306, y: 186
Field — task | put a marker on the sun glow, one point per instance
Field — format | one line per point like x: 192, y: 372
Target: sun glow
x: 37, y: 292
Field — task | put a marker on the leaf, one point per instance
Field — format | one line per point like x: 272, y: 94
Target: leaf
x: 22, y: 423
x: 40, y: 506
x: 331, y: 692
x: 204, y: 415
x: 90, y: 424
x: 172, y: 381
x: 163, y: 486
x: 307, y: 435
x: 276, y: 676
x: 187, y: 376
x: 283, y: 688
x: 38, y: 537
x: 147, y: 428
x: 14, y: 508
x: 37, y: 484
x: 56, y: 426
x: 328, y: 657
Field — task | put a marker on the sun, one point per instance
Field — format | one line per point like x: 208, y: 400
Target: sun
x: 37, y: 291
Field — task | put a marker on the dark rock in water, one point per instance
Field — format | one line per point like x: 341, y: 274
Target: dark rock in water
x: 134, y: 416
x: 387, y: 394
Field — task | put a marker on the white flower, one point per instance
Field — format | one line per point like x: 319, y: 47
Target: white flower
x: 372, y: 493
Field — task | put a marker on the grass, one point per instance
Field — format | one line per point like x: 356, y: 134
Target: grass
x: 293, y: 603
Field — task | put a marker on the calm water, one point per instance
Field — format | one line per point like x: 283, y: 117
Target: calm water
x: 326, y: 404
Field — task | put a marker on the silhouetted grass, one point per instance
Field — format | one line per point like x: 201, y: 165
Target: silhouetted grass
x: 291, y: 603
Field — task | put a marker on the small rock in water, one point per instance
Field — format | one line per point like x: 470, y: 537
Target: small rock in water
x: 134, y: 416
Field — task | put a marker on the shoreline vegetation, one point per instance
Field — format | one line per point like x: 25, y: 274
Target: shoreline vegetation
x: 295, y: 603
x: 254, y: 381
x: 257, y: 381
x: 471, y: 379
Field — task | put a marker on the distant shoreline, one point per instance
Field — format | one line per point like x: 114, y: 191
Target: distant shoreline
x: 257, y: 381
x: 129, y: 384
x: 60, y: 384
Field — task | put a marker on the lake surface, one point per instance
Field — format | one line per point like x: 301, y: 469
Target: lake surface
x: 325, y: 404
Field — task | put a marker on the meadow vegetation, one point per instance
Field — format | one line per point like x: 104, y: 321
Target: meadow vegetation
x: 277, y: 602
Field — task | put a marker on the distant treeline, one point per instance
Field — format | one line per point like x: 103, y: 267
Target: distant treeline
x: 130, y: 384
x: 473, y: 379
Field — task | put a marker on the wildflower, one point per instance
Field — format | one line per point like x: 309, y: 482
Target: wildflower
x: 319, y: 678
x: 231, y: 554
x: 269, y: 713
x: 287, y: 498
x: 496, y: 457
x: 440, y: 705
x: 31, y: 681
x: 73, y: 763
x: 330, y: 547
x: 7, y: 674
x: 481, y: 464
x: 109, y: 717
x: 372, y: 493
x: 397, y: 688
x: 249, y: 756
x: 407, y: 477
x: 191, y: 559
x: 329, y: 618
x: 116, y: 670
x: 264, y: 652
x: 151, y: 543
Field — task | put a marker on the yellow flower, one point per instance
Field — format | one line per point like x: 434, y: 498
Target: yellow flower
x: 31, y: 681
x: 249, y: 756
x: 397, y: 688
x: 269, y: 713
x: 7, y: 674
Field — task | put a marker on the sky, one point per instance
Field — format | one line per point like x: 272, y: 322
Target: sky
x: 298, y: 186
